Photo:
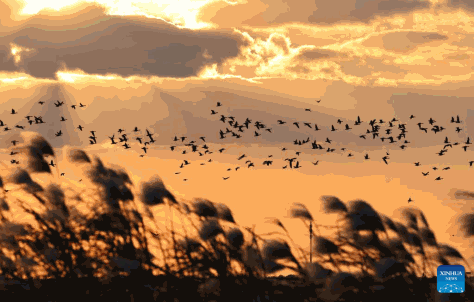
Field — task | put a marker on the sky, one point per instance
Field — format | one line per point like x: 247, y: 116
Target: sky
x: 163, y: 65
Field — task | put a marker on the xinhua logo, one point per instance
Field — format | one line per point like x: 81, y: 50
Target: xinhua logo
x: 451, y: 279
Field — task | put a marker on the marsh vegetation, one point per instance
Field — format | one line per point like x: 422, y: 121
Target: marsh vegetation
x: 120, y: 241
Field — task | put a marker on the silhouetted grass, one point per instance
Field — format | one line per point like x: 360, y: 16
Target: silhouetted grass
x: 105, y: 252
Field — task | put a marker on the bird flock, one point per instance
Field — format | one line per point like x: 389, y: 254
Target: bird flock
x: 231, y: 127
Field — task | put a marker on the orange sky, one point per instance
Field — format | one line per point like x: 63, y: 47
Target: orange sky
x: 164, y: 66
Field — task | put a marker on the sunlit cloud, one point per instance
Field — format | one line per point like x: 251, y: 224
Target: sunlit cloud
x: 181, y: 13
x: 16, y: 52
x: 379, y: 44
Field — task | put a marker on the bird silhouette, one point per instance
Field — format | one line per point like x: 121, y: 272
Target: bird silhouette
x: 80, y: 127
x: 14, y: 112
x: 59, y: 133
x: 410, y: 200
x: 468, y: 141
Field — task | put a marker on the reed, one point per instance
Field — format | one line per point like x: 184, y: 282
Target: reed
x: 115, y: 236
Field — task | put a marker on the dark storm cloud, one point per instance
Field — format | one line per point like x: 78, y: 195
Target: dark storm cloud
x: 121, y: 45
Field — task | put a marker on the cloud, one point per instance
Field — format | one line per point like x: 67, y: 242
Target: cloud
x: 316, y: 54
x: 124, y: 46
x: 271, y: 12
x: 330, y: 12
x: 402, y: 42
x: 467, y: 4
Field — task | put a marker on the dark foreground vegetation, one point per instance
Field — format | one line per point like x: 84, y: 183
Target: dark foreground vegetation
x: 104, y: 253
